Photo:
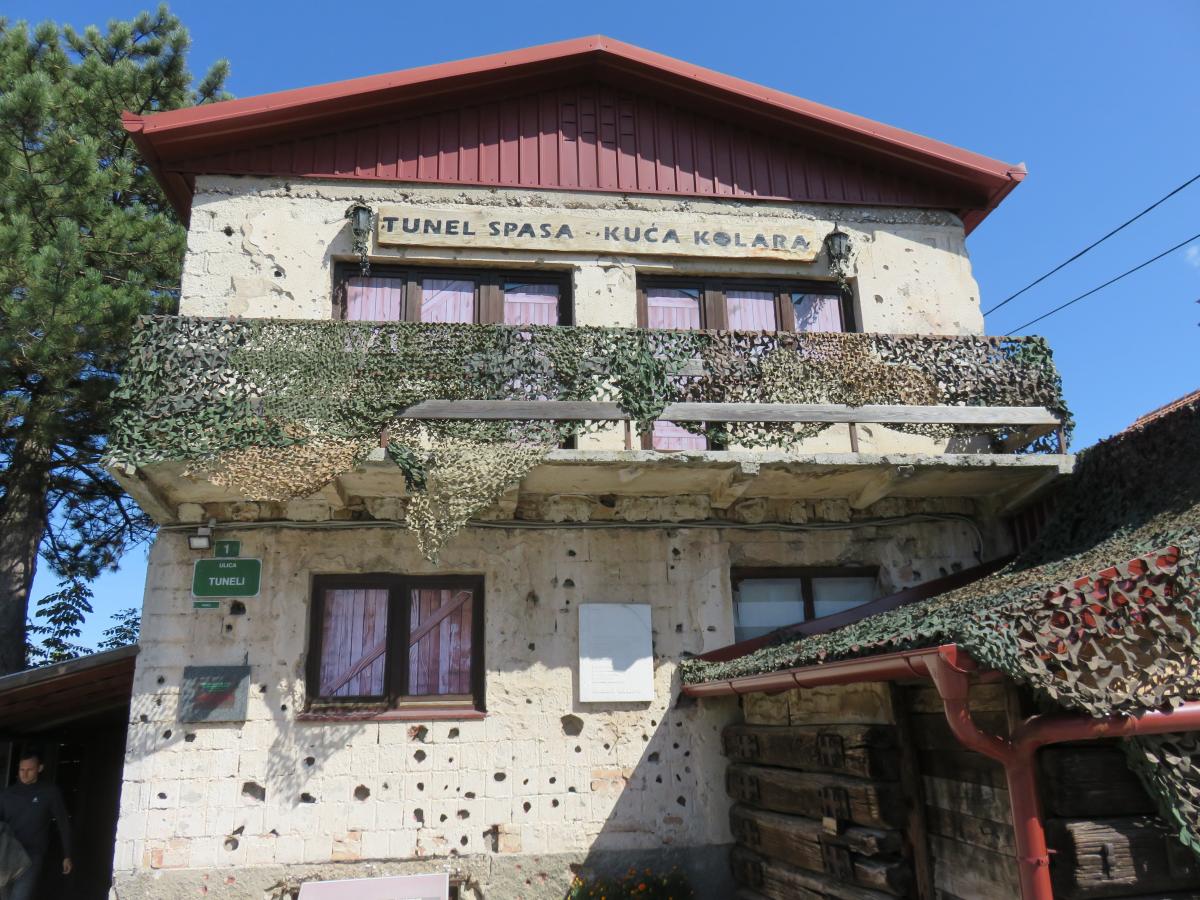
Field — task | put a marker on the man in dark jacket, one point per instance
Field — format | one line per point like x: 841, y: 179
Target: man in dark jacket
x: 27, y: 807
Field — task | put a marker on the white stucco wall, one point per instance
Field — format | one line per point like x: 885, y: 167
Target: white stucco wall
x: 642, y: 776
x: 266, y: 247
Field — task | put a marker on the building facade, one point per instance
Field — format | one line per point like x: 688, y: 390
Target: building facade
x: 427, y: 668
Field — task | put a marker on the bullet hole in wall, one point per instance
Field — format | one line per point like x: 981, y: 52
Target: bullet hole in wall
x: 609, y: 500
x: 189, y: 737
x: 419, y: 756
x: 162, y: 795
x: 362, y: 792
x: 419, y: 815
x: 568, y: 582
x: 553, y: 780
x: 307, y: 798
x: 162, y: 680
x: 464, y: 814
x: 262, y: 688
x: 283, y: 707
x: 675, y: 551
x: 227, y: 231
x: 231, y: 844
x: 452, y: 733
x: 167, y: 735
x: 463, y: 840
x: 228, y: 626
x: 526, y: 806
x: 658, y: 779
x: 681, y: 801
x: 237, y: 608
x: 442, y: 817
x: 499, y: 776
x: 470, y: 795
x: 418, y: 733
x: 420, y: 785
x: 554, y: 803
x: 309, y: 760
x: 570, y: 553
x: 532, y: 646
x: 578, y: 749
x: 653, y: 758
x: 254, y: 791
x: 531, y: 597
x: 572, y: 726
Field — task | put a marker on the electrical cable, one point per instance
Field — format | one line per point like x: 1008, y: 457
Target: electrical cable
x: 1091, y: 246
x: 1106, y: 284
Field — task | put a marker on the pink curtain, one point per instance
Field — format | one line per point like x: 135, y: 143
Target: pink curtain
x: 818, y: 312
x: 531, y: 304
x: 447, y: 300
x: 751, y: 310
x: 677, y: 308
x: 374, y: 299
x: 353, y: 642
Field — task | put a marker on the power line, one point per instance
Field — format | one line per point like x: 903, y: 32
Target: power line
x: 1091, y: 246
x: 1106, y: 284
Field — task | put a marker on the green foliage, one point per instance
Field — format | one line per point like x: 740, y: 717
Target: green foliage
x: 87, y: 244
x: 127, y: 625
x: 635, y: 884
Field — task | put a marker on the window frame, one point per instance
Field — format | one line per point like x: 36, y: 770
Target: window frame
x: 805, y: 574
x: 714, y: 307
x: 489, y: 288
x: 396, y: 660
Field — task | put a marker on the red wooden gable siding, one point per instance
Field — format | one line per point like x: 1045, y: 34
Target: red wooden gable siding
x: 591, y: 137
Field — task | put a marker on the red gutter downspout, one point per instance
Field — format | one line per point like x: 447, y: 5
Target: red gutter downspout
x: 949, y: 668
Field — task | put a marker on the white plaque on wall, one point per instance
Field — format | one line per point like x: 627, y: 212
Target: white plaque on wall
x: 616, y: 654
x: 395, y: 887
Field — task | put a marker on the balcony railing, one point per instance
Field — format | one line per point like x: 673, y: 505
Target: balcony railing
x: 196, y: 389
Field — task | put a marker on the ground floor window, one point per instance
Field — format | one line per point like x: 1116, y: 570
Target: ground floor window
x: 767, y: 599
x: 397, y: 641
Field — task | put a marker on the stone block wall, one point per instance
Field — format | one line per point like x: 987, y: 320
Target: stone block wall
x: 543, y: 782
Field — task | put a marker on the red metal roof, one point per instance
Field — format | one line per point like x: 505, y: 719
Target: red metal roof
x: 587, y: 114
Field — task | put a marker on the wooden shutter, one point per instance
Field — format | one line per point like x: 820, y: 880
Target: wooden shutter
x: 374, y: 299
x: 440, y: 641
x: 353, y: 642
x: 674, y: 308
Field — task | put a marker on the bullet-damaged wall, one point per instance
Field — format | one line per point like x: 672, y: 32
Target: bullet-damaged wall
x: 543, y: 781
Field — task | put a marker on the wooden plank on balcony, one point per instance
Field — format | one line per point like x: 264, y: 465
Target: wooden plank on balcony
x: 736, y: 412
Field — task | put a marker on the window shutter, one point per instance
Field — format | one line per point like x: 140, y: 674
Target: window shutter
x: 353, y: 642
x: 440, y: 641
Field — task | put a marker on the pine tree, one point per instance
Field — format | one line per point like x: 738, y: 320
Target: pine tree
x: 87, y: 244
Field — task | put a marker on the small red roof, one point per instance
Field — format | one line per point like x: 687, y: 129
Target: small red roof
x: 173, y: 141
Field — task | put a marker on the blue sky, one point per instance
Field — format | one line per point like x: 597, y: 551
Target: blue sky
x: 1098, y: 99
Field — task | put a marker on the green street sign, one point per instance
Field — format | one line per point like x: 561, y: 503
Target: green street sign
x: 206, y: 604
x: 226, y: 577
x: 227, y: 549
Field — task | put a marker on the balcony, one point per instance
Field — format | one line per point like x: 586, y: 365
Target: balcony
x: 275, y: 419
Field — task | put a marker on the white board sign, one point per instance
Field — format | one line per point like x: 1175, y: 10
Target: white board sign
x: 394, y: 887
x: 616, y: 654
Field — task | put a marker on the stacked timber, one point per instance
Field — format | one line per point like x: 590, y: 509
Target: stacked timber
x: 820, y: 809
x: 967, y: 812
x: 1105, y: 837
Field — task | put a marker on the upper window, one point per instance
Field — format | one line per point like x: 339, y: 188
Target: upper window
x: 429, y: 295
x: 397, y: 641
x: 767, y: 599
x: 738, y: 306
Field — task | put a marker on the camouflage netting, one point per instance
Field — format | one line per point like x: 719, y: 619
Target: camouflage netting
x: 1099, y: 615
x: 276, y: 409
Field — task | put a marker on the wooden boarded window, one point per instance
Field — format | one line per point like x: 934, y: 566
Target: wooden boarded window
x: 397, y: 640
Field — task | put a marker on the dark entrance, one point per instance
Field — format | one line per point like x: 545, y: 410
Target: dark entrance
x: 75, y: 715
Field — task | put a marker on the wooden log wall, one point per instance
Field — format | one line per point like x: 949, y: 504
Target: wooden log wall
x: 821, y: 809
x: 967, y: 812
x: 1105, y: 836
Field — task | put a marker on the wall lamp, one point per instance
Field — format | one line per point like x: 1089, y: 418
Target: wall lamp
x: 839, y: 248
x: 359, y: 215
x: 202, y: 539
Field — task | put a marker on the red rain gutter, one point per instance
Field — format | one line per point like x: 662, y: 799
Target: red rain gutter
x: 950, y: 669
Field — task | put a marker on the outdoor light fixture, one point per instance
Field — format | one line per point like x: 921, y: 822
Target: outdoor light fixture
x: 837, y: 245
x: 202, y: 539
x: 359, y: 215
